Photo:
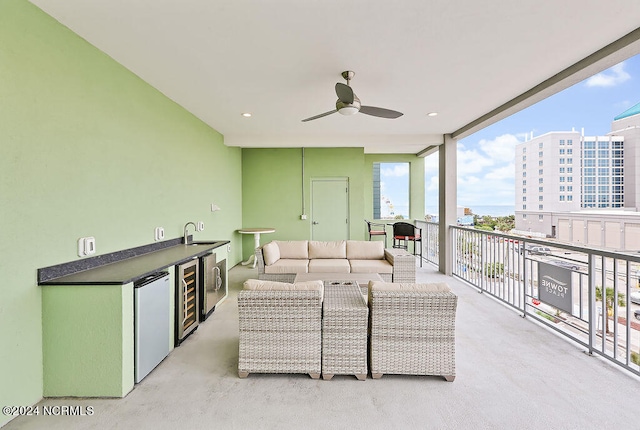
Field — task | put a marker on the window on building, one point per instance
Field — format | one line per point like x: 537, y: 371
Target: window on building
x: 524, y: 174
x: 540, y: 180
x: 617, y: 162
x: 540, y: 154
x: 603, y: 189
x: 616, y: 153
x: 540, y: 163
x: 541, y: 189
x: 524, y: 150
x: 524, y: 191
x: 569, y: 160
x: 540, y: 145
x: 561, y: 178
x: 589, y: 189
x: 561, y: 161
x: 561, y: 141
x: 603, y: 162
x: 540, y: 217
x: 589, y: 154
x: 617, y: 171
x: 562, y: 188
x: 540, y: 172
x: 524, y: 207
x: 603, y: 171
x: 524, y: 198
x: 569, y: 141
x: 562, y: 170
x: 617, y: 144
x: 603, y: 199
x: 524, y: 182
x: 603, y: 180
x: 603, y: 145
x: 617, y: 189
x: 569, y: 151
x: 540, y: 198
x: 569, y: 169
x: 524, y: 158
x: 569, y: 198
x: 603, y: 154
x: 617, y: 180
x: 561, y: 198
x: 589, y: 180
x: 569, y: 188
x: 561, y: 151
x: 524, y: 166
x: 524, y: 216
x: 589, y: 162
x: 589, y: 171
x: 569, y: 178
x: 390, y: 190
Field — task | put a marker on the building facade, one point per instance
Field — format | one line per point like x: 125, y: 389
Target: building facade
x: 582, y: 189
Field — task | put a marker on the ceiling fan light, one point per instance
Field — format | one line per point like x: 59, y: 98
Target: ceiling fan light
x: 348, y: 110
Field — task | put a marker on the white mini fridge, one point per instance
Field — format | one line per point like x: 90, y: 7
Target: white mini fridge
x: 151, y: 321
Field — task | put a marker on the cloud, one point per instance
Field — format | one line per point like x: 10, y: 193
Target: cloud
x: 502, y: 173
x: 502, y: 148
x: 610, y: 77
x: 399, y: 169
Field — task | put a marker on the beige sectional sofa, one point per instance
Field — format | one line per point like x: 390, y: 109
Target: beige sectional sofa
x: 283, y: 260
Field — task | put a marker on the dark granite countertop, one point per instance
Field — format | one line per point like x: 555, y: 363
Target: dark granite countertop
x: 136, y: 267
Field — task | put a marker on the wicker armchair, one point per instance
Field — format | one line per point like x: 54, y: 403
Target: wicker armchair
x: 412, y: 329
x: 280, y: 328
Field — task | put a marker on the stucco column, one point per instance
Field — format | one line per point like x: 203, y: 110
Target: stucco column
x: 447, y: 201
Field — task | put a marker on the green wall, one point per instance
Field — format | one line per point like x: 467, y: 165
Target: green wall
x: 89, y: 149
x: 272, y: 188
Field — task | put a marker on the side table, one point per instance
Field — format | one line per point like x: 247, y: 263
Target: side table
x: 256, y: 232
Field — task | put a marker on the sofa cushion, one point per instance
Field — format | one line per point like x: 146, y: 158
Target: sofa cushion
x: 288, y: 265
x: 365, y: 250
x: 257, y: 284
x: 370, y: 266
x: 329, y: 265
x: 434, y: 287
x: 260, y: 285
x: 293, y: 248
x: 271, y: 253
x: 335, y: 249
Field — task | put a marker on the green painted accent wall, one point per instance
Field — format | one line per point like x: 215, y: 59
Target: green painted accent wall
x: 89, y: 149
x: 272, y: 188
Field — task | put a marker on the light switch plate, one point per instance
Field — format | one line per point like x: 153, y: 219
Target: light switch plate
x: 200, y: 226
x: 159, y: 233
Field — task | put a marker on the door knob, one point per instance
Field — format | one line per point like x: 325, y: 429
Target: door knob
x: 315, y: 222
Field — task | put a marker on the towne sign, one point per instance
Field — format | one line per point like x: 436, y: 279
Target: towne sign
x: 554, y: 286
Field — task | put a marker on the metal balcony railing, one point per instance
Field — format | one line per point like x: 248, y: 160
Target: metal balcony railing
x: 559, y: 285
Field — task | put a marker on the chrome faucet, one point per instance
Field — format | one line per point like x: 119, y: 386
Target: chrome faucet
x: 186, y: 238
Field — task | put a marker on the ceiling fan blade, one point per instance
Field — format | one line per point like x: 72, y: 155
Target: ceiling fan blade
x: 345, y: 93
x: 380, y: 112
x: 320, y: 116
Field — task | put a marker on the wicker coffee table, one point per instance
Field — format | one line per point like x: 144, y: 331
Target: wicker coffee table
x: 345, y: 320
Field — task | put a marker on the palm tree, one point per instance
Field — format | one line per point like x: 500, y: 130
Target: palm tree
x: 608, y: 303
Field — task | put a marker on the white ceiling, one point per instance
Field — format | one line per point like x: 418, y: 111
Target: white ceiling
x: 280, y: 60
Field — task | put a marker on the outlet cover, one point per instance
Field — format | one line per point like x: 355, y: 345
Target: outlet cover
x: 228, y: 247
x: 200, y: 226
x: 159, y: 235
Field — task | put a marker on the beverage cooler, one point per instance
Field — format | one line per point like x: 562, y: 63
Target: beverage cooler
x: 187, y: 299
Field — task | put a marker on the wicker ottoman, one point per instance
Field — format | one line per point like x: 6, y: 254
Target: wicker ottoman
x: 344, y: 330
x: 412, y: 329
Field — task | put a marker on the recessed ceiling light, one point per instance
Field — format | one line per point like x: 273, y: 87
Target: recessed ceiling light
x: 246, y: 114
x: 432, y: 114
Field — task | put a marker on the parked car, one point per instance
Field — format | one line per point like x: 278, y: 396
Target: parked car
x: 571, y: 265
x: 634, y: 297
x: 536, y: 250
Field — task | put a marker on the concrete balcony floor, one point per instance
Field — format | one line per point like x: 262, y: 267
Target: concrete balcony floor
x: 511, y: 373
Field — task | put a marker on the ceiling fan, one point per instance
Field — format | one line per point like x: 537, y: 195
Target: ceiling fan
x: 348, y: 103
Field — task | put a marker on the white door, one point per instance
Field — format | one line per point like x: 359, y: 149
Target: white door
x: 329, y: 209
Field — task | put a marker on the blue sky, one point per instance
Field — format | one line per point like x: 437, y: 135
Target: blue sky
x: 486, y: 159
